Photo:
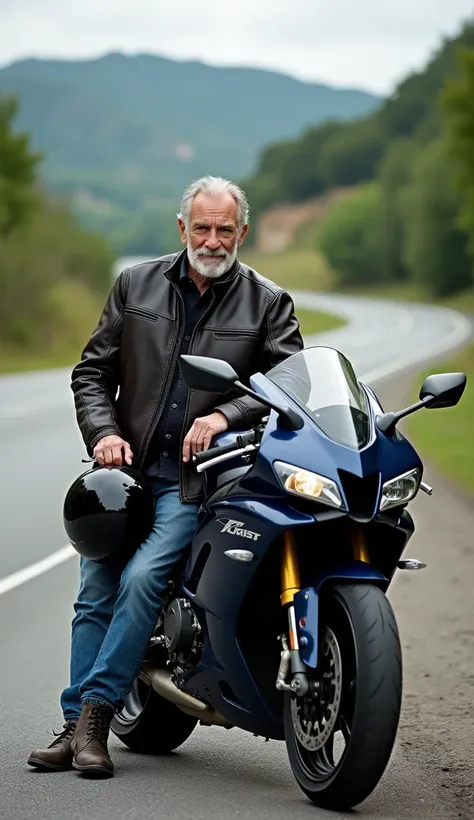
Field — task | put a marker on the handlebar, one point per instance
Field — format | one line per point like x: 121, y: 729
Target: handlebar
x: 206, y: 455
x: 241, y: 441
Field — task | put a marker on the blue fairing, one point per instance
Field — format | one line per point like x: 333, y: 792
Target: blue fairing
x: 224, y: 593
x: 312, y: 449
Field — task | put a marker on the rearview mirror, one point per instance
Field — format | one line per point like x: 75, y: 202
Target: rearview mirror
x: 218, y: 376
x: 446, y: 389
x: 203, y: 373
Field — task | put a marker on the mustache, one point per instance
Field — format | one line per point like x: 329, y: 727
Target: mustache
x: 208, y: 252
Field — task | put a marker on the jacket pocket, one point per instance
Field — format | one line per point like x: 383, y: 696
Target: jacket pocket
x: 235, y: 335
x: 144, y: 313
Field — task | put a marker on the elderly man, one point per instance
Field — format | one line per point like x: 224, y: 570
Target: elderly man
x: 202, y: 301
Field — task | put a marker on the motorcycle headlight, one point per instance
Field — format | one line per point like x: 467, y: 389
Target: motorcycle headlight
x: 400, y: 490
x: 307, y: 484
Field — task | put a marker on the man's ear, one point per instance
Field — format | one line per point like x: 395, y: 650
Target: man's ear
x: 182, y: 231
x: 243, y: 234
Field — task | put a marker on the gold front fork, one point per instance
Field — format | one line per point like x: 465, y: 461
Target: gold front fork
x: 359, y: 545
x: 290, y: 571
x: 290, y: 583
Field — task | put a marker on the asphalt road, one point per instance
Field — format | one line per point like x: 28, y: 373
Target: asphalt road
x: 219, y: 774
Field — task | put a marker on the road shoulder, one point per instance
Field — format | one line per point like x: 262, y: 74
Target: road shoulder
x: 435, y: 613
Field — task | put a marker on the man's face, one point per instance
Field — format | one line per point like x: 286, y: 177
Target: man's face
x: 214, y: 236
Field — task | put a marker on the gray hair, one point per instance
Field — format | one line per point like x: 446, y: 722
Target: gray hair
x: 214, y: 185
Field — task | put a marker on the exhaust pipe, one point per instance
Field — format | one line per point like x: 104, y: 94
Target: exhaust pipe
x: 160, y: 681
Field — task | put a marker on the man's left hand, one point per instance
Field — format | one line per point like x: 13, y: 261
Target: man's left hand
x: 202, y: 432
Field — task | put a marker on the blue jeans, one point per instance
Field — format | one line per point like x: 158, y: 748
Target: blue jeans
x: 117, y: 608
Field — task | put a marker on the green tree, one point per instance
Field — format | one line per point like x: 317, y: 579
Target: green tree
x: 344, y: 154
x: 435, y: 247
x: 351, y: 155
x: 458, y: 102
x: 17, y: 170
x: 349, y: 236
x: 52, y: 276
x: 416, y: 98
x: 394, y: 173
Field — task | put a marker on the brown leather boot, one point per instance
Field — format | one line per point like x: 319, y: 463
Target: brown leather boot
x: 89, y: 744
x: 58, y: 756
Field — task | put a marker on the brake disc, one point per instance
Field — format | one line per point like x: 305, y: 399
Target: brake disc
x: 314, y: 717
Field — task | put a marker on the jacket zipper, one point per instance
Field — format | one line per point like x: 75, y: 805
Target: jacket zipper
x: 168, y: 379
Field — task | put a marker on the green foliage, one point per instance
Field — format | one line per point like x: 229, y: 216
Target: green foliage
x: 411, y: 224
x: 458, y: 102
x: 17, y: 171
x: 435, y: 248
x: 447, y: 438
x: 350, y: 152
x: 151, y: 232
x: 394, y: 173
x: 41, y: 263
x: 415, y: 100
x: 124, y: 135
x: 351, y: 155
x: 348, y: 236
x: 53, y: 275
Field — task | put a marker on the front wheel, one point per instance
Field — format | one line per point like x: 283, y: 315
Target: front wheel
x: 340, y: 737
x: 149, y: 724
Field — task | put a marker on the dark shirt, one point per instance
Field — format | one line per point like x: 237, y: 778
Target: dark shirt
x: 164, y: 453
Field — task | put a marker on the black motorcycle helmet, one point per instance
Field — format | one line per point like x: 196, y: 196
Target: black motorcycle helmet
x: 108, y: 511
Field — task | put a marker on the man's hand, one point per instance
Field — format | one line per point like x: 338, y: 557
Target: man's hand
x: 201, y: 433
x: 109, y: 451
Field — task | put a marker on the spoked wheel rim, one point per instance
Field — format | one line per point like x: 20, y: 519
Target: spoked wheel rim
x: 134, y: 704
x: 322, y: 721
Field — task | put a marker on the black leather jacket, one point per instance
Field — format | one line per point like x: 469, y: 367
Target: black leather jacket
x: 133, y: 351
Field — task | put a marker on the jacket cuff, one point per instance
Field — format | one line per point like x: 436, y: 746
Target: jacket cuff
x: 236, y: 413
x: 106, y: 431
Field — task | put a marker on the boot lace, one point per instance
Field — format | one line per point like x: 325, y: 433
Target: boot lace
x: 98, y: 724
x: 66, y: 734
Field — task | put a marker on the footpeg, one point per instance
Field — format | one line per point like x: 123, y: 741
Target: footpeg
x: 410, y: 563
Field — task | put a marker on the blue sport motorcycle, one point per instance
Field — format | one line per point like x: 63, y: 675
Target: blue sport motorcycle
x: 278, y: 623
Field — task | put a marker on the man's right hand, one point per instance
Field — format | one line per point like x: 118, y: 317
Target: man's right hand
x: 110, y: 451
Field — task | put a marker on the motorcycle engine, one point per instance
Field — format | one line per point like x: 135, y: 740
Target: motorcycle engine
x: 182, y: 633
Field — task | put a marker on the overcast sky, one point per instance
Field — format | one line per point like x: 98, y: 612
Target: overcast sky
x: 359, y: 43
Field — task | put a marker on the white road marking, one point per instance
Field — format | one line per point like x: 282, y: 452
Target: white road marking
x: 460, y: 333
x: 36, y: 569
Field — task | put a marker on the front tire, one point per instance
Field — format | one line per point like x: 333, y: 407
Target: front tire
x: 149, y: 724
x: 339, y: 742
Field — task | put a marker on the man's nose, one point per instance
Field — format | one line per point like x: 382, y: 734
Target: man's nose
x: 213, y: 242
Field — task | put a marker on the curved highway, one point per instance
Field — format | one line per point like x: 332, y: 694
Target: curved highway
x: 217, y: 774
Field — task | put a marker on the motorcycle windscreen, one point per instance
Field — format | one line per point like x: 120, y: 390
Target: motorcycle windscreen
x: 323, y: 383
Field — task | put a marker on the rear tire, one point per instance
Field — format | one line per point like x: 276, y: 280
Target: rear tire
x: 149, y: 724
x: 362, y: 699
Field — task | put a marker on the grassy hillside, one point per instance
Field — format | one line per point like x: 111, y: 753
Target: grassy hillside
x: 446, y: 437
x: 123, y: 135
x: 302, y: 267
x: 343, y: 154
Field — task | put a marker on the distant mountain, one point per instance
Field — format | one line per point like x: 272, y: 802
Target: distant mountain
x: 119, y: 130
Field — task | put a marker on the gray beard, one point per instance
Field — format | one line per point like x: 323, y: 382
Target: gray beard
x: 221, y: 263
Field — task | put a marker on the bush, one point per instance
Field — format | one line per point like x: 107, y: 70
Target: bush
x: 38, y: 263
x: 349, y: 237
x: 435, y: 248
